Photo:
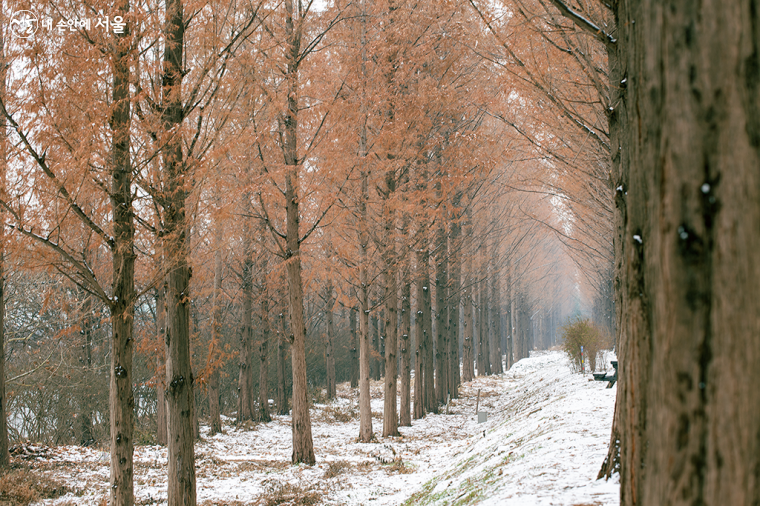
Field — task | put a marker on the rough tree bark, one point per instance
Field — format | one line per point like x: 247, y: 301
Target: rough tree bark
x: 365, y: 412
x: 216, y: 329
x: 419, y: 336
x: 245, y: 365
x: 160, y: 365
x: 468, y: 359
x: 441, y: 316
x: 4, y: 455
x: 354, y: 344
x: 484, y: 359
x: 179, y: 376
x: 691, y: 218
x: 390, y: 413
x: 282, y: 344
x: 495, y: 342
x: 263, y: 411
x: 423, y: 266
x: 303, y: 446
x: 122, y: 403
x: 87, y: 437
x: 329, y: 352
x: 405, y: 414
x: 455, y: 296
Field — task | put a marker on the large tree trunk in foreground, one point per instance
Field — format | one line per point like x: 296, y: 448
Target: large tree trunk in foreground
x: 179, y: 376
x: 303, y: 447
x: 121, y: 397
x: 390, y: 413
x: 690, y: 347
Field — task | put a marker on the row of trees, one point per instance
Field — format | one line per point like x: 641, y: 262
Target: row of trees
x: 221, y: 182
x: 679, y: 93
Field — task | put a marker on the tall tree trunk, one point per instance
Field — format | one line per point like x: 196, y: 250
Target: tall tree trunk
x: 263, y: 412
x: 354, y: 347
x: 329, y: 353
x: 419, y: 335
x: 161, y: 435
x: 468, y: 339
x: 375, y: 344
x: 4, y: 443
x: 245, y: 367
x: 179, y: 376
x: 405, y: 414
x: 380, y: 328
x: 87, y: 437
x: 390, y: 413
x: 496, y: 354
x: 4, y: 455
x: 365, y: 412
x: 282, y: 388
x: 216, y: 330
x: 510, y: 319
x: 441, y: 317
x: 303, y: 446
x: 484, y: 362
x: 431, y: 405
x: 691, y: 260
x: 121, y: 397
x: 454, y: 299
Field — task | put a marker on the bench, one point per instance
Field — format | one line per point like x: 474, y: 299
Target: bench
x: 609, y: 378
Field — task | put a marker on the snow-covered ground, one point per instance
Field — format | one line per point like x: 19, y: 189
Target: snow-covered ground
x: 543, y: 444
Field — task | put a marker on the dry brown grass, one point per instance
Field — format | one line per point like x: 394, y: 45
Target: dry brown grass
x: 398, y: 467
x: 338, y: 414
x: 291, y: 495
x: 21, y: 486
x: 337, y: 468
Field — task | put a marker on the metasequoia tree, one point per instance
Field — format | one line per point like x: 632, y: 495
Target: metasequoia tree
x: 50, y: 143
x: 4, y: 455
x: 299, y: 32
x: 164, y: 113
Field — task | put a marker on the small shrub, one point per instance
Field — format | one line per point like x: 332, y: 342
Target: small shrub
x: 318, y: 395
x: 578, y: 333
x: 293, y: 495
x: 340, y: 415
x: 336, y: 468
x: 22, y: 486
x: 398, y: 467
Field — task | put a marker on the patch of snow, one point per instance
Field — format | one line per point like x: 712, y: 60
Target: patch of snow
x: 544, y: 442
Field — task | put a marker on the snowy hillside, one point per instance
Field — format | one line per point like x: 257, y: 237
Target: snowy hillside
x: 543, y: 444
